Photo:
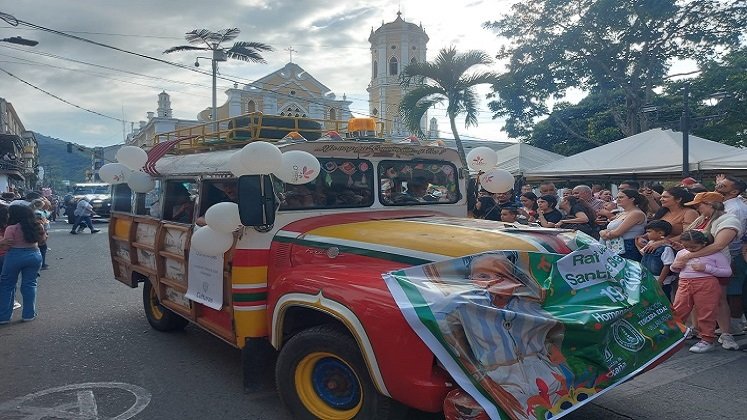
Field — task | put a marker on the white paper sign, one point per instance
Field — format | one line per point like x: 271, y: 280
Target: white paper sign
x: 587, y: 267
x: 205, y: 279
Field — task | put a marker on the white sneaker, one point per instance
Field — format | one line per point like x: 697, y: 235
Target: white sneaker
x: 727, y: 342
x: 16, y: 304
x: 702, y: 347
x: 736, y: 326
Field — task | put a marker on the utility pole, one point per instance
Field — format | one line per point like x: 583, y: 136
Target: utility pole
x: 685, y: 126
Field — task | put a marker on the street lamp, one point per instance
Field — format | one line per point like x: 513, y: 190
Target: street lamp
x: 20, y: 41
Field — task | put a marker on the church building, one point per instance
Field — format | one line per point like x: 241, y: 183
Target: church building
x: 394, y: 45
x: 289, y: 91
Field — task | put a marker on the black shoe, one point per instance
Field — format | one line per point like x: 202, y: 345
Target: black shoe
x: 95, y: 231
x: 74, y: 232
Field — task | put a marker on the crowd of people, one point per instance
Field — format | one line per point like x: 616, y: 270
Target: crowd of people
x: 24, y: 226
x: 694, y: 241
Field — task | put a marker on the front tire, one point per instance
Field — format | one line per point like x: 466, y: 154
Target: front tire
x: 160, y: 317
x: 321, y: 374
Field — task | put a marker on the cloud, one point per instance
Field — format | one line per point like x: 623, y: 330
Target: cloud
x: 331, y: 40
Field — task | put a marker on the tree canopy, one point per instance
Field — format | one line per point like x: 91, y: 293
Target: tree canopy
x: 447, y: 78
x: 619, y: 50
x: 717, y: 108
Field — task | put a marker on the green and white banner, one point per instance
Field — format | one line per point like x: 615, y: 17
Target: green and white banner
x: 532, y: 335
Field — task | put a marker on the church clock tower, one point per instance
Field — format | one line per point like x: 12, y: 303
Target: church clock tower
x: 393, y: 46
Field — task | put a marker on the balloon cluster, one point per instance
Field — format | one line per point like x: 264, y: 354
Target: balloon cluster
x: 483, y: 160
x: 257, y: 158
x: 128, y: 169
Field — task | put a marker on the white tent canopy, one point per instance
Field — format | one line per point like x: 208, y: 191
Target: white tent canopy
x: 730, y: 162
x: 652, y: 153
x: 520, y: 158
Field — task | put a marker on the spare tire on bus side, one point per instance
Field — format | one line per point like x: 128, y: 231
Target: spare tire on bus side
x: 158, y: 316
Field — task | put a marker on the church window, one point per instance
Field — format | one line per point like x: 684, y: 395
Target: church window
x: 413, y: 61
x: 393, y: 66
x: 293, y: 111
x: 293, y: 92
x: 332, y: 114
x: 394, y: 47
x: 375, y: 111
x: 251, y: 107
x: 375, y: 69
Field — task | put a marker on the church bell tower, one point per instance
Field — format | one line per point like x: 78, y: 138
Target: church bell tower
x: 393, y: 46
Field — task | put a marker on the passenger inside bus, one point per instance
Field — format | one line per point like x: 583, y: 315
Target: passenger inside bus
x: 215, y: 192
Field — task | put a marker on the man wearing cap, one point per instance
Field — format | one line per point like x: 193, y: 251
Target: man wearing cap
x: 732, y: 188
x: 688, y: 182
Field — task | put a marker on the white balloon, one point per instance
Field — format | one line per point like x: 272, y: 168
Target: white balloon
x: 140, y: 182
x: 114, y: 173
x: 223, y: 217
x: 210, y: 242
x: 260, y: 157
x: 132, y: 157
x: 481, y: 158
x: 497, y: 181
x: 235, y: 165
x: 298, y: 167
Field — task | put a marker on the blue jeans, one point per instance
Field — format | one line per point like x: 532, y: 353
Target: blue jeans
x: 27, y: 262
x: 79, y: 220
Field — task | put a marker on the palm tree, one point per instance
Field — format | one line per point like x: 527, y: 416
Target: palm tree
x: 244, y: 51
x: 445, y: 78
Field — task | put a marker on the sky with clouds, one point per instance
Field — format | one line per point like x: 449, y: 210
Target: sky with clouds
x: 331, y: 40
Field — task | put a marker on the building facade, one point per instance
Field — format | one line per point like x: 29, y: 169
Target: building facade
x: 394, y: 45
x: 289, y: 91
x: 19, y: 152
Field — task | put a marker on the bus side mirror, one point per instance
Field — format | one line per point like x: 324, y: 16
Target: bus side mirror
x: 256, y: 200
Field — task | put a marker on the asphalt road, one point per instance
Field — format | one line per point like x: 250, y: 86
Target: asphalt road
x: 91, y: 354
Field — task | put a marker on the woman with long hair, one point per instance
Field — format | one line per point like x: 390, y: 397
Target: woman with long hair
x: 22, y: 258
x: 4, y: 244
x: 673, y: 211
x: 529, y: 206
x: 724, y: 228
x: 579, y: 216
x: 628, y: 224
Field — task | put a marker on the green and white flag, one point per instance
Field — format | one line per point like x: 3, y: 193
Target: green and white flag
x: 532, y: 335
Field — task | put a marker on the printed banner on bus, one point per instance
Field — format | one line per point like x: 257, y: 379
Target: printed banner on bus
x: 533, y: 335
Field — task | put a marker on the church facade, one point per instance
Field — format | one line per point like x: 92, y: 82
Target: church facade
x: 289, y: 91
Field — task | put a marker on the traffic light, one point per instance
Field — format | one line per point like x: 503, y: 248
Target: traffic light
x: 69, y: 147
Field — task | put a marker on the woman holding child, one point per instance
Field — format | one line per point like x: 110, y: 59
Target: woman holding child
x: 628, y: 224
x: 674, y: 212
x: 723, y: 228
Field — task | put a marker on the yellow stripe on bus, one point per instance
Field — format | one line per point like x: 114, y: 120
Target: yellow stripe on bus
x: 418, y: 237
x: 249, y: 275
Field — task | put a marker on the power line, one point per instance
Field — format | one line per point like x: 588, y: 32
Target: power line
x: 61, y: 99
x: 86, y: 40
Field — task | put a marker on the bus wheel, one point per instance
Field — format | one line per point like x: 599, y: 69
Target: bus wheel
x: 320, y: 374
x: 158, y: 316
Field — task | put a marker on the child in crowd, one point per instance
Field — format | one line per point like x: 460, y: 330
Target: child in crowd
x: 659, y: 261
x: 698, y: 286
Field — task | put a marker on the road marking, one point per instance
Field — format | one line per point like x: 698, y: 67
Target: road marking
x: 56, y: 402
